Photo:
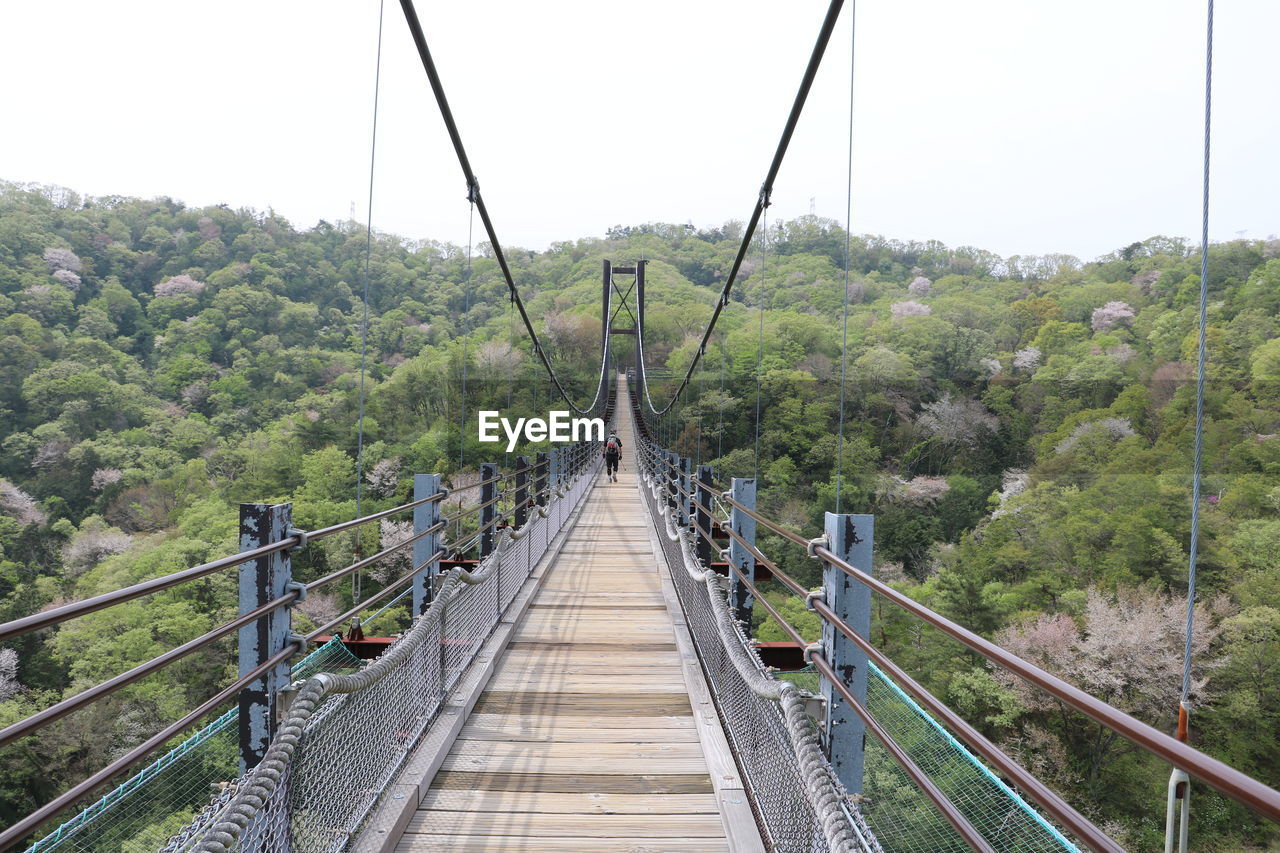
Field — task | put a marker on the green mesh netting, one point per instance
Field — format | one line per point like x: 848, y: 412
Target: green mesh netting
x: 157, y: 801
x: 903, y: 819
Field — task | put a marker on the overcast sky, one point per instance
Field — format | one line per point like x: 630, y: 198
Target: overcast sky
x: 1018, y: 126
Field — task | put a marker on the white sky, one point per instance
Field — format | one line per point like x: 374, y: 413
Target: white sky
x: 1018, y: 126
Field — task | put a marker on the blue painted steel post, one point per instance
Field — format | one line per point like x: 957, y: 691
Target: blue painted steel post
x: 703, y: 517
x: 669, y: 474
x: 743, y: 490
x: 686, y: 493
x: 850, y: 538
x: 261, y: 581
x: 522, y: 491
x: 540, y: 479
x: 426, y: 564
x: 488, y: 514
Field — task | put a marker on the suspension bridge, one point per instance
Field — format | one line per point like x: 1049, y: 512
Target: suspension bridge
x: 579, y: 673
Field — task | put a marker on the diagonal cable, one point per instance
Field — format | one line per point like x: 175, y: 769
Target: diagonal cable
x: 762, y: 202
x: 473, y: 194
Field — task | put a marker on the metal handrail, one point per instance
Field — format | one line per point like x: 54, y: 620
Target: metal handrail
x: 1059, y: 808
x: 1226, y: 779
x: 373, y: 558
x: 59, y: 710
x: 55, y: 806
x: 400, y: 582
x: 36, y: 621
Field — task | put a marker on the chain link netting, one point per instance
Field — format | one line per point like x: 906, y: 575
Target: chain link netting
x: 901, y: 819
x: 140, y: 815
x: 754, y: 726
x: 343, y: 742
x: 1005, y: 820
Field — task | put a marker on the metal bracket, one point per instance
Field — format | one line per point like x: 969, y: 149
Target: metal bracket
x: 298, y: 587
x: 815, y: 707
x: 473, y: 190
x: 811, y: 548
x: 814, y: 595
x: 284, y: 701
x: 765, y: 192
x: 302, y: 539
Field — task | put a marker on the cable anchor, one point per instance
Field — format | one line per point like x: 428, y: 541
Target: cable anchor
x: 766, y: 192
x: 473, y: 190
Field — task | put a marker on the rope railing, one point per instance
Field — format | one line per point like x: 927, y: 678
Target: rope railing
x: 1230, y: 782
x: 250, y: 810
x: 940, y: 801
x: 538, y: 490
x: 135, y: 756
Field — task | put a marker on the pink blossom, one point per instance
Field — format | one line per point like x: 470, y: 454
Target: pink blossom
x: 910, y: 308
x: 179, y: 285
x: 1111, y: 315
x: 58, y: 258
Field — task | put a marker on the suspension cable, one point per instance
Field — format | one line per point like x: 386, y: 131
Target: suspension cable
x: 1200, y: 369
x: 720, y: 427
x: 848, y: 255
x: 764, y: 260
x: 762, y: 201
x: 473, y: 193
x: 364, y: 324
x: 466, y: 309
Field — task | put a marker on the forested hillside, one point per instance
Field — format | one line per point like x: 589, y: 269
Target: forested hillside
x: 1021, y: 428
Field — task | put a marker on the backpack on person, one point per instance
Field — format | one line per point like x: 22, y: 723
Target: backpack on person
x: 611, y: 446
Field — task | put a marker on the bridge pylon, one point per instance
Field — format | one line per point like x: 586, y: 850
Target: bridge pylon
x: 626, y: 285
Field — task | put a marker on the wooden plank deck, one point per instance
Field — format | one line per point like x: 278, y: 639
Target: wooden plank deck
x: 585, y: 738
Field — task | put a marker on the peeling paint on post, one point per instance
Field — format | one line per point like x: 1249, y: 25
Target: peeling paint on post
x: 488, y: 492
x: 670, y: 475
x: 684, y: 496
x: 424, y: 517
x: 743, y: 490
x: 261, y: 581
x: 540, y: 483
x: 850, y: 538
x: 522, y: 491
x: 705, y: 545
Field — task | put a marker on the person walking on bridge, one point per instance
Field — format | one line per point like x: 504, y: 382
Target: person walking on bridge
x: 612, y: 456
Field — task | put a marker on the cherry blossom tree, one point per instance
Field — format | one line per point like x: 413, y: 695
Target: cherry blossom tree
x: 920, y: 286
x: 958, y: 421
x: 1112, y: 427
x: 384, y: 477
x: 18, y: 504
x: 58, y: 258
x: 179, y: 285
x: 1111, y: 315
x: 104, y: 477
x: 1027, y: 359
x: 67, y: 279
x: 9, y: 684
x: 910, y: 308
x: 93, y: 543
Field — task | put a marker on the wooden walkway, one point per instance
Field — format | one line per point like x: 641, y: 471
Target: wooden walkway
x: 585, y: 738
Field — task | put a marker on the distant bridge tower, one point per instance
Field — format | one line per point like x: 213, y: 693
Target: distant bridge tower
x: 626, y: 283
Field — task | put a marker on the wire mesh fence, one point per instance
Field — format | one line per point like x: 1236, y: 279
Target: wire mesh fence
x: 754, y: 726
x: 904, y: 822
x: 355, y: 743
x: 140, y: 815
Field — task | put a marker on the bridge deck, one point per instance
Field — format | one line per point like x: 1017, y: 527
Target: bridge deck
x: 584, y: 739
